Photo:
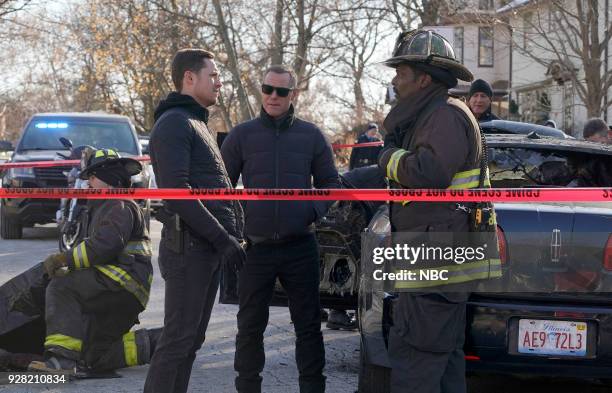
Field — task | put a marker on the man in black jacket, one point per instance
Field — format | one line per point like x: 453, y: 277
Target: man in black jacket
x: 197, y: 235
x: 279, y: 150
x: 364, y: 156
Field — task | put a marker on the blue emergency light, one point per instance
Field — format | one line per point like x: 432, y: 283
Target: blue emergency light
x: 51, y: 125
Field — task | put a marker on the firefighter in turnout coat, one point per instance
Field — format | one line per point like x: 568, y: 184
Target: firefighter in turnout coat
x: 432, y: 141
x: 99, y: 287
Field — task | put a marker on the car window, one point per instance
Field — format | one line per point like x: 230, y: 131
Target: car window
x: 518, y: 167
x: 44, y: 134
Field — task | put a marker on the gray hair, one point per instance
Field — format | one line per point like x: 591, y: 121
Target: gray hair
x: 282, y: 69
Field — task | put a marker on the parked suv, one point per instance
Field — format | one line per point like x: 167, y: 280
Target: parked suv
x: 39, y: 141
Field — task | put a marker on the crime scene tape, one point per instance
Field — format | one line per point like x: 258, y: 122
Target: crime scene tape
x: 47, y: 164
x: 414, y: 195
x: 356, y: 145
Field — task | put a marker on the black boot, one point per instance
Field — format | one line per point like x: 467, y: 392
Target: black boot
x: 340, y: 319
x: 324, y: 315
x: 54, y: 364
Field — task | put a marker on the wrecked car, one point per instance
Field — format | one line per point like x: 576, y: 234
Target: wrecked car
x: 557, y: 266
x: 515, y: 127
x: 551, y: 312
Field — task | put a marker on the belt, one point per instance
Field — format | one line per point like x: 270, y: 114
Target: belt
x: 260, y: 240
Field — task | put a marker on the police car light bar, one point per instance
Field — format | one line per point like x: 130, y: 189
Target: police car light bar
x: 51, y: 125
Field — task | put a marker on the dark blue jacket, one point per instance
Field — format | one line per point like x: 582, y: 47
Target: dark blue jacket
x: 487, y: 116
x: 292, y: 153
x: 364, y: 156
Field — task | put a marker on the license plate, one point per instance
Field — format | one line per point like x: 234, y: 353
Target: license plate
x: 543, y: 337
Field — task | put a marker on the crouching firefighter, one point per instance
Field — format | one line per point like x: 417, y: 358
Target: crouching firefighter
x: 98, y: 288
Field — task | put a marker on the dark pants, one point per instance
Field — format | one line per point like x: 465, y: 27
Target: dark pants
x: 86, y: 306
x: 426, y: 346
x: 192, y: 281
x: 296, y: 264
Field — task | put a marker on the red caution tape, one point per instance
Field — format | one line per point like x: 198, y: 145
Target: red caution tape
x: 46, y: 164
x: 356, y: 145
x: 420, y: 195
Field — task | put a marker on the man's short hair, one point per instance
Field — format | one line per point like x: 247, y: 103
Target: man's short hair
x: 416, y: 72
x: 281, y: 69
x: 594, y: 127
x: 189, y: 59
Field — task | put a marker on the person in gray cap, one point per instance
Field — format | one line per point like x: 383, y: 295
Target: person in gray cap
x: 479, y: 100
x: 364, y: 156
x: 432, y: 141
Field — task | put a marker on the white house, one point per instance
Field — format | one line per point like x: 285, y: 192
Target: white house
x: 541, y: 58
x: 481, y: 45
x: 511, y: 44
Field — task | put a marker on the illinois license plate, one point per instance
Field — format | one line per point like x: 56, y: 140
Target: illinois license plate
x: 544, y: 337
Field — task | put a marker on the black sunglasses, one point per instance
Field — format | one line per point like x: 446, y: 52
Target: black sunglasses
x: 280, y: 91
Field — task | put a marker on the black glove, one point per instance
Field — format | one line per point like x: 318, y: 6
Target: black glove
x: 232, y: 253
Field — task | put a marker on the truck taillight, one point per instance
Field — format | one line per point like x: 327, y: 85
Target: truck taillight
x: 503, y: 246
x: 607, y: 255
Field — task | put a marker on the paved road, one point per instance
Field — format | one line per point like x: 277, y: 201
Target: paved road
x: 213, y: 369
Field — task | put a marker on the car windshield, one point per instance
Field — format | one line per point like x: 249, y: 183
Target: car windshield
x: 44, y: 134
x: 517, y: 167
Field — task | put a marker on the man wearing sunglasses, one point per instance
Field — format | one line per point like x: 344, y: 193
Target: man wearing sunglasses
x: 280, y: 150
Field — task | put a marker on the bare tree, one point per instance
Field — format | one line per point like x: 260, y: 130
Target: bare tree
x: 12, y: 6
x: 406, y: 14
x: 223, y: 27
x: 360, y: 37
x: 114, y: 55
x: 126, y: 48
x: 277, y: 52
x: 570, y: 38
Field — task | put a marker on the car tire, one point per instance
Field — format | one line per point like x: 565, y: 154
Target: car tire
x: 10, y: 228
x: 67, y: 243
x: 372, y: 379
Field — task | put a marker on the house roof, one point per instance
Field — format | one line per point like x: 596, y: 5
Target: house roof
x: 514, y: 4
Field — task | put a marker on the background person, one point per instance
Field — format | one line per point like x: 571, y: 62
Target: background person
x: 550, y: 123
x: 479, y: 100
x: 364, y: 156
